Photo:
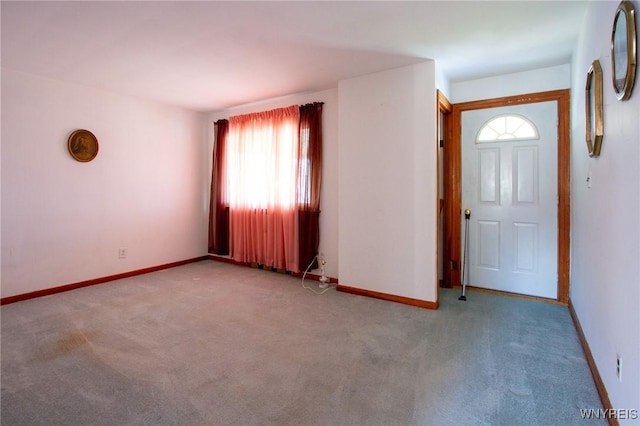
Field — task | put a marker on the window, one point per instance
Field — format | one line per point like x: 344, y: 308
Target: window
x: 507, y: 127
x: 262, y: 160
x: 304, y: 180
x: 265, y: 187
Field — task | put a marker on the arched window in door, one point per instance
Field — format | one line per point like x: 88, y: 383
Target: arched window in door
x: 507, y: 127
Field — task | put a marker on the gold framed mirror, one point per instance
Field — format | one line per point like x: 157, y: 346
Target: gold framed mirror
x: 593, y: 109
x: 623, y: 50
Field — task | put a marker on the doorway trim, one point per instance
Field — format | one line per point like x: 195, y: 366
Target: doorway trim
x: 444, y: 137
x: 452, y: 208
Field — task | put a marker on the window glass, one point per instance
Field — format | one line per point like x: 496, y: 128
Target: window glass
x: 507, y: 127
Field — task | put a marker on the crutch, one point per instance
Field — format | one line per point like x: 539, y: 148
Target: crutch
x: 465, y: 253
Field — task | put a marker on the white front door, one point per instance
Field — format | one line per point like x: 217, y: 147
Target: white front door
x: 511, y: 188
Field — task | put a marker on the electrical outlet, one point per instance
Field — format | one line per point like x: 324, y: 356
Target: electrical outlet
x: 122, y: 253
x: 619, y: 367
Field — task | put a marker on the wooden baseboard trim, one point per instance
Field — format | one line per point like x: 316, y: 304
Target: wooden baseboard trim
x: 226, y: 259
x: 95, y: 281
x: 388, y: 297
x: 602, y: 390
x: 313, y: 277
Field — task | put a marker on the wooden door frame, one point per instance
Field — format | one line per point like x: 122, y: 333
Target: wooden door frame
x: 444, y: 130
x: 452, y: 209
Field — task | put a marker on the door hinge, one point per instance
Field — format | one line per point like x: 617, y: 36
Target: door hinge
x: 441, y: 143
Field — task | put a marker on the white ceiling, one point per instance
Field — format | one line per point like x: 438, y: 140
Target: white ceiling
x: 211, y: 55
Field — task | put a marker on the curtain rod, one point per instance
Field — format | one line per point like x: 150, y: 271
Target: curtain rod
x: 310, y: 103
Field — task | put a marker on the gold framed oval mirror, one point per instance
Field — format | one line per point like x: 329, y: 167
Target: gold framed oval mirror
x: 623, y: 50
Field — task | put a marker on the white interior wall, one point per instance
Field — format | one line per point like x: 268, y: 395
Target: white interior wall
x: 63, y: 221
x: 330, y: 178
x: 605, y: 219
x: 539, y: 80
x: 442, y: 82
x: 388, y: 182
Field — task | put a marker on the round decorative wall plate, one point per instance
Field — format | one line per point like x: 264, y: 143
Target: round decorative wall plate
x: 83, y: 145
